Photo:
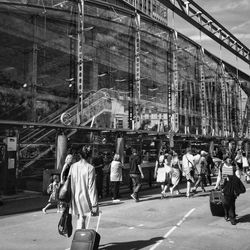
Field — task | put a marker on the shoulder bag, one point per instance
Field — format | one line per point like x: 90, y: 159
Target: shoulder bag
x: 65, y: 191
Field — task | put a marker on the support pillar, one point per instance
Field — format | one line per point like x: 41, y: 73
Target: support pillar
x: 61, y: 151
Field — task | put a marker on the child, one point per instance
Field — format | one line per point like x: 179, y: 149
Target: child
x: 53, y: 190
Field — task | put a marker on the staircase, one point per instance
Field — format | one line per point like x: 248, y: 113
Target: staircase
x: 94, y: 105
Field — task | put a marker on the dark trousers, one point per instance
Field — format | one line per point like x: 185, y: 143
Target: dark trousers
x: 136, y: 180
x: 99, y: 184
x: 228, y: 202
x: 115, y: 189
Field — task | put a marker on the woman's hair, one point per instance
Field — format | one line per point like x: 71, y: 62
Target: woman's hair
x: 116, y: 157
x: 68, y: 156
x: 85, y: 152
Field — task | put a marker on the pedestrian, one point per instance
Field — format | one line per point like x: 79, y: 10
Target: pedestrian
x: 245, y: 165
x: 160, y: 173
x: 168, y: 170
x: 210, y: 168
x: 83, y: 189
x: 176, y: 173
x: 64, y: 173
x: 135, y: 173
x: 53, y: 190
x: 188, y: 169
x: 231, y: 187
x: 239, y: 165
x: 200, y: 164
x: 116, y: 176
x: 98, y: 163
x: 106, y: 173
x: 66, y: 167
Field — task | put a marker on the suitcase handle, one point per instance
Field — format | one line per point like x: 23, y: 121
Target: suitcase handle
x: 98, y: 220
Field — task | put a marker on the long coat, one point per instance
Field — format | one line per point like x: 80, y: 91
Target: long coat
x: 83, y: 188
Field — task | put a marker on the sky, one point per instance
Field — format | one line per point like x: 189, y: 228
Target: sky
x: 233, y: 15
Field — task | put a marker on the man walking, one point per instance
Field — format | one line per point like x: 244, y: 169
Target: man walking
x: 135, y: 173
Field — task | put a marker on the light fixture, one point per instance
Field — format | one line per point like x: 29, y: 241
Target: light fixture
x: 25, y: 85
x: 70, y: 79
x: 120, y: 80
x: 102, y: 74
x: 89, y: 28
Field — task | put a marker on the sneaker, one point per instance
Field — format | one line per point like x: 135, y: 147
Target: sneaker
x: 133, y: 196
x: 58, y: 211
x: 194, y: 191
x: 44, y: 211
x: 226, y: 218
x: 116, y: 200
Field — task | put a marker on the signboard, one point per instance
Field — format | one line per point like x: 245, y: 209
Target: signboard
x: 11, y: 143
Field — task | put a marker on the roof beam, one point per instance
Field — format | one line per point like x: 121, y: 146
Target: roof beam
x: 195, y: 15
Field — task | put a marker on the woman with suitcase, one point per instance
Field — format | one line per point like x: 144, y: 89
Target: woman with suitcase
x: 231, y: 187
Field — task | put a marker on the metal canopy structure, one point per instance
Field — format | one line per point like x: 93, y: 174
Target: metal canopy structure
x: 199, y: 18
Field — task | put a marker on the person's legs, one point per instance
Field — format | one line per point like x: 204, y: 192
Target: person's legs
x: 46, y: 207
x: 116, y: 189
x: 136, y: 179
x: 188, y: 188
x: 80, y: 223
x: 197, y: 183
x: 231, y: 210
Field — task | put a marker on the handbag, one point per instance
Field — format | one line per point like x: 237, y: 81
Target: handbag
x: 65, y: 223
x: 65, y: 191
x: 161, y: 175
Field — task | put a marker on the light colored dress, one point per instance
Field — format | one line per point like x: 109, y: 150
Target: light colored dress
x: 116, y: 171
x: 83, y: 188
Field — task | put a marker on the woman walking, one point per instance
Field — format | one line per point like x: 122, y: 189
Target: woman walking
x: 116, y: 176
x: 176, y: 173
x: 160, y: 173
x: 83, y: 189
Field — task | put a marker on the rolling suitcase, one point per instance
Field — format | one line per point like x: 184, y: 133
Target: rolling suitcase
x: 86, y: 239
x: 216, y: 203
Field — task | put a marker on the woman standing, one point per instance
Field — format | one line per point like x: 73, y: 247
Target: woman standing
x: 116, y: 176
x: 83, y: 189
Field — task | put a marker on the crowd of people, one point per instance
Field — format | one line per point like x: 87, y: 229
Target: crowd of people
x: 194, y: 167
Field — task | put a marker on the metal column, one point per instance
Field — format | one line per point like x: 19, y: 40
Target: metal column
x: 80, y: 42
x: 174, y: 87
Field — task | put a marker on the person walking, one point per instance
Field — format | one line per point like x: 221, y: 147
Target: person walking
x: 135, y: 173
x: 83, y: 189
x: 116, y: 176
x: 66, y: 168
x: 160, y: 173
x: 98, y: 163
x: 188, y: 169
x: 53, y: 190
x: 176, y: 173
x: 231, y: 187
x: 64, y: 175
x: 201, y: 167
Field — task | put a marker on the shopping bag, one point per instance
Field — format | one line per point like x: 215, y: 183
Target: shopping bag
x: 65, y: 223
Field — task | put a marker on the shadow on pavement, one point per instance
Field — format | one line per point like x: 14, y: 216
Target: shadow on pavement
x: 244, y: 219
x: 130, y: 245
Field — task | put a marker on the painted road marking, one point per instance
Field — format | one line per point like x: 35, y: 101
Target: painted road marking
x: 172, y: 230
